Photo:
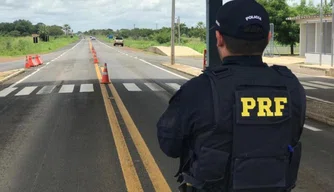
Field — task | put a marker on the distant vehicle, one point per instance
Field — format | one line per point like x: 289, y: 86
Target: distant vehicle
x: 119, y: 41
x: 93, y: 38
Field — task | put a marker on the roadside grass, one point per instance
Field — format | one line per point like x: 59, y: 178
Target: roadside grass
x: 142, y: 44
x: 20, y: 46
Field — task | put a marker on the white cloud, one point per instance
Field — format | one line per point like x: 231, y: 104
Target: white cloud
x: 115, y: 14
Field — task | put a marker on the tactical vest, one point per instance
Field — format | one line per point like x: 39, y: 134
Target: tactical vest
x: 254, y: 145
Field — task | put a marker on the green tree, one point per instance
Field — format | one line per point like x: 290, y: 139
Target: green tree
x: 286, y: 32
x: 23, y: 26
x: 55, y: 30
x: 67, y: 28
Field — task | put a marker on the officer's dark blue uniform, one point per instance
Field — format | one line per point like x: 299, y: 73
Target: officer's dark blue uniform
x: 237, y: 126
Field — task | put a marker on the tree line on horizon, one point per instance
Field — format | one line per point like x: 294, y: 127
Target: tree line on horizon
x: 21, y: 28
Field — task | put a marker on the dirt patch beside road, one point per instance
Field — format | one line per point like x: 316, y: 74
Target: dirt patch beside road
x: 9, y: 59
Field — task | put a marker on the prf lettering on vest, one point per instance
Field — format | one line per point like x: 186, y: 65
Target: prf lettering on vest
x: 264, y: 104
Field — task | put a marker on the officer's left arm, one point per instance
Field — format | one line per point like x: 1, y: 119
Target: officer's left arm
x: 173, y: 124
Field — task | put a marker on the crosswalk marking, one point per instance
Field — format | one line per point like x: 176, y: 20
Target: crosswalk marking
x: 7, y: 91
x: 46, y: 89
x: 66, y: 89
x: 307, y: 87
x: 154, y: 87
x: 26, y: 91
x: 86, y: 88
x: 174, y: 86
x: 315, y: 85
x: 323, y: 83
x: 131, y: 87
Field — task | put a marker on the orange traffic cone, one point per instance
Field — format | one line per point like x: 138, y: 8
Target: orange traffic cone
x: 30, y: 61
x: 27, y: 65
x: 39, y: 60
x: 96, y: 61
x: 34, y: 61
x: 105, y: 76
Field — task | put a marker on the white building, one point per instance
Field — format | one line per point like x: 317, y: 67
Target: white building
x: 310, y: 38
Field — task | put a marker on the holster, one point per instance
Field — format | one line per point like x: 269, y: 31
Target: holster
x: 185, y: 187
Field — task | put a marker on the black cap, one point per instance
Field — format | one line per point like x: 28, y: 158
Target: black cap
x: 243, y: 19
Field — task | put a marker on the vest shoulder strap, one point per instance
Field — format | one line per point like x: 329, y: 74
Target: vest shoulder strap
x: 283, y: 70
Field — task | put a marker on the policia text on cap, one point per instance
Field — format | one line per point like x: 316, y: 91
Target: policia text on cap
x: 245, y: 134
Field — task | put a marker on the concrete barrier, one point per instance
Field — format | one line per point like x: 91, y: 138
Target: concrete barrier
x: 320, y: 110
x: 180, y: 51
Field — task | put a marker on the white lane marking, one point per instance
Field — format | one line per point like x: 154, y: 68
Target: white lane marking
x: 311, y: 128
x: 307, y: 87
x: 154, y: 87
x: 86, y: 88
x: 66, y: 89
x: 315, y: 85
x: 323, y: 83
x: 131, y: 87
x: 46, y: 90
x: 329, y: 102
x: 26, y: 91
x: 7, y: 91
x: 163, y: 69
x: 26, y: 77
x: 174, y: 86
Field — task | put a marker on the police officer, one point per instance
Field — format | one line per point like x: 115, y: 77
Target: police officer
x: 237, y: 126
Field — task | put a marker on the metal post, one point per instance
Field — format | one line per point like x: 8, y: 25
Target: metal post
x: 272, y: 40
x: 324, y: 38
x: 173, y: 33
x: 306, y: 34
x: 321, y: 34
x: 332, y: 43
x: 213, y: 57
x: 179, y: 31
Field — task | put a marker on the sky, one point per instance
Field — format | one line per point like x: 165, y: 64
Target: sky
x: 83, y: 15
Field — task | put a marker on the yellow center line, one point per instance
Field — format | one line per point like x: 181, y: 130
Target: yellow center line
x: 158, y: 180
x: 129, y: 172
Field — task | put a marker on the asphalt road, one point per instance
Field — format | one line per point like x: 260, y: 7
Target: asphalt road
x: 55, y: 132
x: 17, y: 64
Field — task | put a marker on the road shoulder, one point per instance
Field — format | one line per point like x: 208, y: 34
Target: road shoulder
x: 6, y: 75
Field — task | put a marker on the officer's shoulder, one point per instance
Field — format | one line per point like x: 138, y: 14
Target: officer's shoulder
x: 198, y: 82
x: 192, y: 88
x: 283, y: 70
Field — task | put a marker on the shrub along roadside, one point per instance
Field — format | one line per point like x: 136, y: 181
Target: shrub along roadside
x: 19, y: 46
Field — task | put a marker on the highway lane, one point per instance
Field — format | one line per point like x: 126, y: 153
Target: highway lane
x: 54, y: 133
x: 17, y: 64
x: 130, y: 75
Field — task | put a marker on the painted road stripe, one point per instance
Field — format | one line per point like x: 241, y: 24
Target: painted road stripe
x: 174, y: 86
x: 307, y: 87
x: 311, y: 128
x: 66, y: 89
x: 86, y: 88
x: 7, y: 91
x: 323, y: 83
x: 154, y: 87
x: 46, y: 90
x: 315, y: 85
x: 26, y: 91
x: 131, y: 87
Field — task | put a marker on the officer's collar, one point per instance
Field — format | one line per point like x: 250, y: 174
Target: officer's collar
x: 253, y: 60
